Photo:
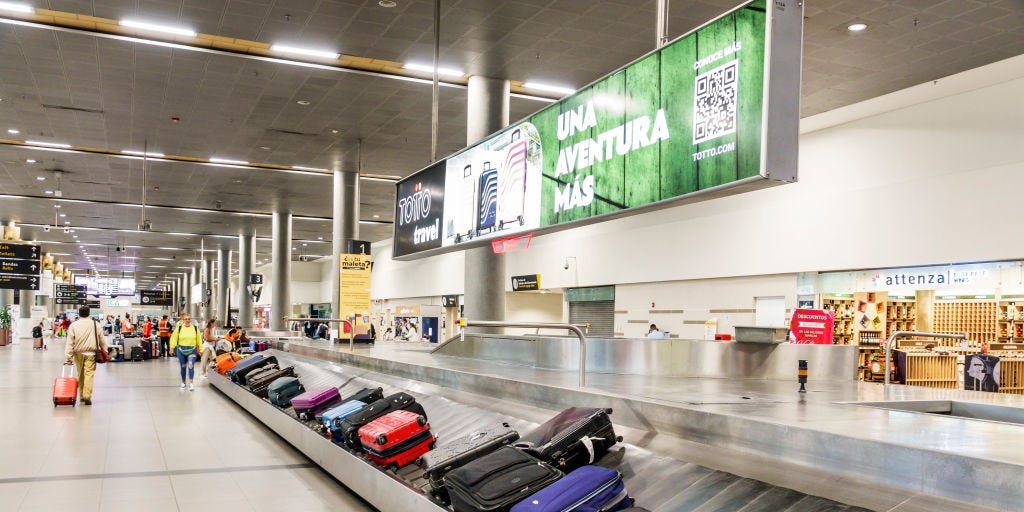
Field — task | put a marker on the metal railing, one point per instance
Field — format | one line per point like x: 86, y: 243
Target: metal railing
x: 890, y: 345
x: 351, y: 327
x: 535, y: 325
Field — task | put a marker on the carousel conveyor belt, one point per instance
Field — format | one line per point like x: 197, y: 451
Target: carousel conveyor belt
x: 656, y: 482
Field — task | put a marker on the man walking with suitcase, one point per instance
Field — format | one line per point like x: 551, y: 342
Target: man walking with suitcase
x: 84, y: 340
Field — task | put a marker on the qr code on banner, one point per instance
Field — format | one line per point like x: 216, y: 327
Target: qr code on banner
x: 714, y: 102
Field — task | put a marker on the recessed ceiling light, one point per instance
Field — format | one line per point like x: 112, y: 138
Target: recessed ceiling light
x: 265, y: 147
x: 387, y: 4
x: 167, y: 29
x: 56, y: 206
x: 428, y: 68
x: 11, y: 6
x: 280, y: 48
x: 63, y: 215
x: 303, y: 102
x: 67, y: 222
x: 140, y: 153
x: 857, y: 27
x: 74, y: 236
x: 30, y: 161
x: 40, y: 178
x: 319, y: 238
x: 228, y: 161
x: 334, y: 131
x: 376, y: 216
x: 549, y: 88
x: 12, y: 131
x: 49, y: 192
x: 48, y: 144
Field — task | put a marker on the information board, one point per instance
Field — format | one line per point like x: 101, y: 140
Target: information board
x: 354, y: 290
x: 70, y: 294
x: 156, y: 297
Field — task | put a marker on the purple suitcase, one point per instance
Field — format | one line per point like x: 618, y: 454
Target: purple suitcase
x: 315, y: 401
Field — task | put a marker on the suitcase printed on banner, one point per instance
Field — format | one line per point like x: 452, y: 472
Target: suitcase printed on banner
x: 487, y: 200
x: 498, y: 480
x: 136, y: 354
x: 260, y: 386
x: 65, y: 389
x: 574, y: 438
x: 225, y: 362
x: 253, y: 359
x: 459, y: 452
x: 281, y: 391
x: 396, y: 402
x: 460, y: 225
x: 396, y: 439
x: 314, y: 401
x: 512, y: 183
x: 589, y: 488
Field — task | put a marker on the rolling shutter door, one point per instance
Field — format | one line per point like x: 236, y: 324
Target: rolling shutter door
x: 600, y: 314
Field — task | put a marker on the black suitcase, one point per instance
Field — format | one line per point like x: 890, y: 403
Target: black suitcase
x: 147, y: 349
x: 137, y: 354
x: 259, y: 373
x: 442, y: 459
x: 498, y: 480
x: 260, y: 386
x: 398, y: 401
x: 572, y: 439
x: 240, y: 374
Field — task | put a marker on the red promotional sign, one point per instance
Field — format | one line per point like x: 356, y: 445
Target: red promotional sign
x: 812, y: 326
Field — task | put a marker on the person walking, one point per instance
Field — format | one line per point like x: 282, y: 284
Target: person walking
x: 84, y: 340
x: 186, y: 342
x: 163, y: 330
x: 209, y: 344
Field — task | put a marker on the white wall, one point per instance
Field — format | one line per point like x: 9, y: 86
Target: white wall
x: 935, y: 181
x: 307, y: 282
x: 534, y: 307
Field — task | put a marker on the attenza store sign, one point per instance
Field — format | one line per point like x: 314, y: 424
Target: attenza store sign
x: 930, y: 278
x: 698, y: 115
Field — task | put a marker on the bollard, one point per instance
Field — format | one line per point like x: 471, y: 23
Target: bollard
x: 802, y: 375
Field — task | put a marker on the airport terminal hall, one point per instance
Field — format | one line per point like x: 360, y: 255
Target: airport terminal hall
x: 511, y: 255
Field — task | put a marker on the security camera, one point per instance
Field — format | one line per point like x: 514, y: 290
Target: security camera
x: 67, y: 229
x: 46, y: 228
x: 566, y: 267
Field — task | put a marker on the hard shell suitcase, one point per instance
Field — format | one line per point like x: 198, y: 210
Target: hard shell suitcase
x: 572, y: 439
x: 332, y: 418
x: 225, y: 362
x: 37, y: 342
x: 245, y: 361
x: 137, y: 353
x: 498, y: 480
x: 460, y: 226
x: 487, y: 200
x: 314, y: 401
x: 259, y: 387
x: 65, y: 389
x: 249, y: 365
x: 129, y: 344
x: 512, y: 183
x: 147, y: 349
x: 459, y: 452
x: 588, y: 489
x: 398, y: 401
x: 396, y: 439
x: 261, y: 346
x: 155, y: 348
x: 258, y: 373
x: 281, y: 391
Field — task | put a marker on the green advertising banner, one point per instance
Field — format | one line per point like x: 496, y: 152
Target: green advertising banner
x: 694, y: 118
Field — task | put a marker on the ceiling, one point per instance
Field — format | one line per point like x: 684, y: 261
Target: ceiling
x: 85, y: 90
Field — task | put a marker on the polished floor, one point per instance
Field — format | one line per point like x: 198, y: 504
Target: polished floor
x: 144, y: 444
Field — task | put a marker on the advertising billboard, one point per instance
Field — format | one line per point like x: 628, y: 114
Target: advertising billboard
x: 699, y: 118
x: 107, y: 286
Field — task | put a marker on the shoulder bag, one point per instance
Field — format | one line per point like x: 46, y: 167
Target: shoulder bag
x: 102, y: 356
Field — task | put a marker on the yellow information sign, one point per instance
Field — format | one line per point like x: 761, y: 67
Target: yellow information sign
x: 354, y: 292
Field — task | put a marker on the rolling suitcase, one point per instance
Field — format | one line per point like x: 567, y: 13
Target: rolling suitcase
x: 459, y: 452
x: 461, y: 225
x: 65, y: 389
x: 247, y: 365
x: 487, y: 200
x: 399, y: 401
x: 37, y: 343
x: 260, y: 386
x: 572, y: 439
x: 137, y: 353
x: 155, y: 348
x: 147, y: 349
x: 258, y: 373
x: 281, y: 391
x: 589, y: 488
x: 332, y: 418
x: 242, y: 363
x: 396, y: 439
x: 225, y: 362
x: 261, y: 346
x: 498, y: 480
x: 315, y: 401
x: 512, y: 183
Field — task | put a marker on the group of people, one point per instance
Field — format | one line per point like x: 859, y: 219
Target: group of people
x: 405, y: 330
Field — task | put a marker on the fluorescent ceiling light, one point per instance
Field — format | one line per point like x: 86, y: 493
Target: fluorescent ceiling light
x: 280, y: 48
x: 140, y: 153
x: 228, y: 161
x: 11, y: 6
x: 315, y: 169
x: 856, y: 27
x: 48, y: 144
x: 373, y: 178
x: 548, y: 88
x: 12, y: 131
x: 142, y: 25
x: 163, y: 259
x: 430, y: 69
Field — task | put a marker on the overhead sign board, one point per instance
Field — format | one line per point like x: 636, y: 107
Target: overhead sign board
x: 69, y: 294
x: 450, y: 301
x: 713, y: 113
x: 20, y: 251
x: 255, y: 278
x: 526, y: 283
x: 20, y: 267
x: 19, y: 282
x: 156, y: 297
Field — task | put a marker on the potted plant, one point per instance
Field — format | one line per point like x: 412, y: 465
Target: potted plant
x: 5, y: 326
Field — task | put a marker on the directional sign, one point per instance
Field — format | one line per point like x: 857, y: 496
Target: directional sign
x: 20, y: 251
x: 527, y: 282
x: 19, y: 282
x: 20, y: 267
x: 255, y: 278
x: 69, y: 294
x: 156, y: 297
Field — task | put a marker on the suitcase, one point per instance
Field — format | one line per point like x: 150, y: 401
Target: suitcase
x: 65, y: 389
x: 396, y: 439
x: 225, y: 362
x: 399, y: 401
x: 147, y: 349
x: 281, y: 391
x: 512, y: 183
x: 258, y: 373
x: 155, y: 350
x: 460, y: 225
x: 248, y: 365
x: 498, y: 480
x: 457, y: 453
x: 260, y: 386
x: 589, y: 488
x: 261, y: 346
x: 37, y: 343
x: 487, y: 200
x: 137, y: 353
x: 245, y: 361
x: 331, y: 419
x: 572, y: 439
x: 314, y: 401
x: 129, y: 344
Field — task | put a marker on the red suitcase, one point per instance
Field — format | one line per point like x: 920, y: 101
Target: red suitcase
x: 65, y: 389
x: 396, y: 439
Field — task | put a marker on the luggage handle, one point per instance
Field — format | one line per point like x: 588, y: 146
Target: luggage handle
x: 64, y: 367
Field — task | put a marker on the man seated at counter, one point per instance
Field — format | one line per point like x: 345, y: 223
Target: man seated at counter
x: 654, y: 333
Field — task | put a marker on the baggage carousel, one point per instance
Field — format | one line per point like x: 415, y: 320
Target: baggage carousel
x: 656, y: 481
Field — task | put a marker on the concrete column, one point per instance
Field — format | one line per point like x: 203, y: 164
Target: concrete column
x: 6, y: 297
x: 223, y: 274
x: 487, y: 112
x: 281, y: 264
x: 26, y: 299
x: 246, y: 249
x: 346, y: 223
x: 207, y: 277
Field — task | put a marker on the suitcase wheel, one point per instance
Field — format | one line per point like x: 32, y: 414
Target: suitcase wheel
x: 393, y: 467
x: 382, y: 439
x: 421, y: 420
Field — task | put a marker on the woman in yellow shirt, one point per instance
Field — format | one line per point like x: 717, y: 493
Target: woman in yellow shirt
x: 187, y: 344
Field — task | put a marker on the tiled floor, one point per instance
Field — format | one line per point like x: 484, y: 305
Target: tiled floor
x: 144, y: 445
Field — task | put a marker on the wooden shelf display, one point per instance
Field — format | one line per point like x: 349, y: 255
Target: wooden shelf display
x: 1011, y: 376
x: 927, y: 369
x: 901, y: 315
x: 844, y: 309
x: 1010, y: 321
x: 975, y: 317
